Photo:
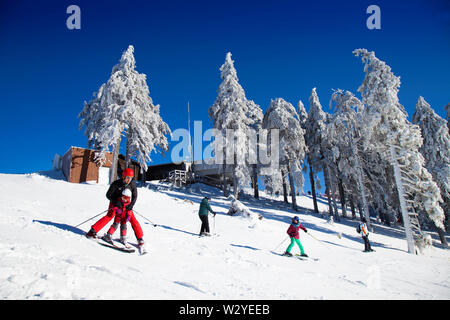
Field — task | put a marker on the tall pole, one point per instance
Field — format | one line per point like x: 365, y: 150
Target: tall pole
x: 189, y: 129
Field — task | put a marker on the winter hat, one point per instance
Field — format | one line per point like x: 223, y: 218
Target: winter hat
x: 126, y: 193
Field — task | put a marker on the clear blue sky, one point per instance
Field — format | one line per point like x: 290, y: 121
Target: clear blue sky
x: 281, y: 49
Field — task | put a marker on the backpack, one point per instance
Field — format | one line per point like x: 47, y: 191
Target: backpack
x: 358, y: 228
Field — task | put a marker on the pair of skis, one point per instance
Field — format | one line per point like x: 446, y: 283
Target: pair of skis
x: 300, y: 257
x: 116, y: 245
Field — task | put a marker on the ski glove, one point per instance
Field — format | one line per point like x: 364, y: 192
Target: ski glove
x: 305, y: 230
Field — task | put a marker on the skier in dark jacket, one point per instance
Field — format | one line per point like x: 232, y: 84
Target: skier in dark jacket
x: 114, y: 194
x: 365, y: 235
x: 203, y: 215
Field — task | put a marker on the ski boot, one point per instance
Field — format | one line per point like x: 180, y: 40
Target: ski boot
x: 287, y: 254
x: 91, y: 234
x: 107, y: 238
x: 123, y: 240
x: 141, y: 246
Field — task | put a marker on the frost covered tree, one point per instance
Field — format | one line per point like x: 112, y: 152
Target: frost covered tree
x: 343, y: 154
x: 447, y: 109
x: 396, y: 139
x: 302, y: 118
x: 328, y: 167
x: 302, y: 114
x: 145, y: 128
x: 123, y: 107
x: 255, y: 114
x: 315, y: 126
x: 281, y: 115
x: 234, y: 116
x: 435, y: 148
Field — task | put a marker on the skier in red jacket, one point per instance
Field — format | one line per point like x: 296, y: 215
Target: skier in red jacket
x: 293, y: 232
x: 114, y: 193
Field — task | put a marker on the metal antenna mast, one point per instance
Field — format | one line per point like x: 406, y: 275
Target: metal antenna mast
x: 189, y: 129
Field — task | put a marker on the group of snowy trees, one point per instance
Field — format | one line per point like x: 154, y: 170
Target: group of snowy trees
x: 246, y: 133
x: 122, y: 107
x: 370, y: 155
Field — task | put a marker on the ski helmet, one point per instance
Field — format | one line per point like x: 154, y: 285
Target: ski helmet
x: 126, y: 193
x: 295, y: 219
x: 128, y: 173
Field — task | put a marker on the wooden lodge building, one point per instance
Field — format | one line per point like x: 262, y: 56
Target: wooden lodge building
x: 79, y: 165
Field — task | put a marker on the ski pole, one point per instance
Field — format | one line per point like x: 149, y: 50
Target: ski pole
x: 91, y: 218
x: 317, y: 239
x: 280, y: 244
x: 155, y: 225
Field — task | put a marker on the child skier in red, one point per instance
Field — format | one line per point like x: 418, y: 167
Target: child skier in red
x: 293, y: 232
x: 122, y: 216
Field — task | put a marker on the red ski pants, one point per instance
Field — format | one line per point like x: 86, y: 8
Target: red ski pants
x: 111, y: 213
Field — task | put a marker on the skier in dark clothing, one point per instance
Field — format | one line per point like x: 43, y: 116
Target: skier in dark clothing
x: 203, y: 215
x: 365, y: 235
x: 115, y: 191
x: 114, y: 195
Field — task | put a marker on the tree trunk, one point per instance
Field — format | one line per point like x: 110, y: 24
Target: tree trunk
x: 333, y: 197
x: 224, y: 180
x: 401, y: 196
x: 327, y: 189
x: 224, y: 177
x: 342, y: 196
x: 441, y: 234
x: 362, y: 188
x: 313, y: 187
x: 256, y: 169
x: 352, y: 207
x: 284, y: 186
x: 255, y: 182
x: 235, y: 182
x: 292, y: 185
x: 128, y: 151
x: 113, y: 173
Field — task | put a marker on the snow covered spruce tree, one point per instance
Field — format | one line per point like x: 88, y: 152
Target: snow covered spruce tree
x: 123, y: 106
x: 282, y: 115
x: 255, y: 115
x: 315, y: 126
x: 399, y: 141
x: 343, y: 154
x: 435, y: 149
x: 235, y: 118
x: 302, y: 114
x: 447, y: 109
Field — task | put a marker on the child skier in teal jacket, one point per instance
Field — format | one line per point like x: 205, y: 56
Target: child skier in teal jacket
x: 293, y: 232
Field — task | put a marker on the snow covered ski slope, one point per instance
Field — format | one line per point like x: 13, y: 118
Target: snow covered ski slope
x: 43, y: 256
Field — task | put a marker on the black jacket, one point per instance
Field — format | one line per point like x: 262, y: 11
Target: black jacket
x: 115, y: 192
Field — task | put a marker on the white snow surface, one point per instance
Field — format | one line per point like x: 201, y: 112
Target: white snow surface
x: 43, y: 256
